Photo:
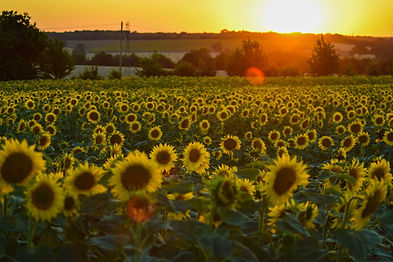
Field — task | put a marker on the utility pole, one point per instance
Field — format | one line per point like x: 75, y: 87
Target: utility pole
x: 121, y: 45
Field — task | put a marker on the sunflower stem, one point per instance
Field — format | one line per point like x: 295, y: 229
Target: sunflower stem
x: 32, y: 228
x: 211, y: 218
x: 5, y: 204
x: 261, y: 222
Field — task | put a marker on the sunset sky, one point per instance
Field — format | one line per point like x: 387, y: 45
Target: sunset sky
x: 358, y: 17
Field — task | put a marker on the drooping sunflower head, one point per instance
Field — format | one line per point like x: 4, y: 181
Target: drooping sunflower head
x: 164, y: 156
x: 224, y: 191
x: 357, y: 171
x: 135, y: 173
x: 348, y: 142
x: 71, y: 204
x: 84, y: 180
x: 380, y: 170
x: 196, y: 158
x: 284, y: 176
x: 230, y: 143
x: 18, y: 163
x: 258, y: 145
x: 44, y: 198
x: 374, y: 195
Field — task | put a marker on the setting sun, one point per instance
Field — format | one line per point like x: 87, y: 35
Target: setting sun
x: 287, y: 16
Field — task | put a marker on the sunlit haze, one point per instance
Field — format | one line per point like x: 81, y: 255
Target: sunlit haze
x: 357, y: 17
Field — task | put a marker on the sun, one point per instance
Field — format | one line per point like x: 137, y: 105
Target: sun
x: 286, y: 16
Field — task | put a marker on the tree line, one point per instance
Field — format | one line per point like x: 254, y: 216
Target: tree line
x: 28, y: 53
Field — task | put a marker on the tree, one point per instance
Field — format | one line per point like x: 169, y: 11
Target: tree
x: 79, y: 54
x: 202, y: 61
x: 324, y: 60
x: 55, y: 61
x: 251, y: 55
x: 26, y: 52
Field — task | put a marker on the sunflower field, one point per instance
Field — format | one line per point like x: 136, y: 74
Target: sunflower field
x: 197, y: 169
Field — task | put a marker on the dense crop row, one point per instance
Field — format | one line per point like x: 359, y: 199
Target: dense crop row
x: 196, y: 169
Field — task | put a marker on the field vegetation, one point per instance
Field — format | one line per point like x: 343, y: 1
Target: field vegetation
x: 197, y: 169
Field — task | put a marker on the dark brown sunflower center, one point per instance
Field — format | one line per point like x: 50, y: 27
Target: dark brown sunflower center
x: 204, y: 125
x: 379, y: 173
x: 43, y: 197
x: 305, y: 124
x: 301, y: 141
x: 135, y: 177
x: 362, y: 139
x: 16, y: 168
x: 50, y: 118
x: 163, y: 157
x: 285, y: 178
x: 372, y: 204
x: 348, y: 142
x: 99, y: 140
x: 379, y: 120
x: 131, y: 118
x: 43, y: 140
x: 390, y: 136
x: 93, y: 116
x: 353, y: 172
x: 69, y: 203
x: 115, y: 139
x: 257, y: 145
x: 355, y: 128
x: 135, y: 127
x: 194, y: 155
x: 230, y: 144
x: 337, y: 117
x: 67, y: 163
x: 155, y: 133
x: 109, y: 129
x: 84, y: 181
x: 326, y: 142
x: 274, y: 136
x: 223, y: 115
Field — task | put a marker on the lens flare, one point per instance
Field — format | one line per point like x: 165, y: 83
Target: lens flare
x: 255, y: 76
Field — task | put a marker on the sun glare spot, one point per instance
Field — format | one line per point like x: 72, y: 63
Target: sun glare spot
x: 255, y: 76
x: 286, y: 16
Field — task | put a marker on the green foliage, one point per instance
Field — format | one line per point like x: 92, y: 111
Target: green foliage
x: 27, y: 53
x: 151, y: 66
x: 91, y: 73
x: 251, y: 55
x: 201, y: 60
x: 114, y: 74
x: 324, y: 60
x: 79, y: 54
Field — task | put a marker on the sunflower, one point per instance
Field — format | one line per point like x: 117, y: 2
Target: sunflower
x: 131, y: 117
x: 280, y: 210
x: 84, y: 179
x: 273, y: 135
x: 50, y: 118
x: 307, y: 214
x: 355, y: 127
x: 155, y: 133
x: 135, y: 173
x: 380, y: 170
x: 37, y: 129
x: 305, y: 124
x: 363, y: 139
x: 204, y: 126
x: 374, y: 195
x: 284, y: 176
x: 337, y: 117
x: 184, y: 124
x: 110, y: 128
x: 258, y: 145
x: 99, y: 138
x: 312, y: 135
x: 263, y: 119
x: 44, y: 141
x: 68, y: 161
x: 116, y: 138
x: 44, y: 198
x: 388, y: 137
x: 93, y: 116
x: 18, y: 163
x: 21, y: 126
x: 29, y: 104
x: 224, y: 191
x: 71, y: 204
x: 223, y: 115
x: 196, y: 158
x: 229, y: 144
x: 378, y: 120
x: 287, y: 131
x: 245, y: 185
x: 357, y: 171
x: 224, y: 171
x: 135, y: 127
x: 325, y: 142
x: 164, y: 156
x: 301, y: 141
x: 248, y: 135
x: 140, y: 207
x: 51, y: 129
x: 348, y: 142
x: 340, y: 130
x: 207, y: 140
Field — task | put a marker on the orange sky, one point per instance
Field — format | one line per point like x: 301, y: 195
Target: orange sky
x: 358, y: 17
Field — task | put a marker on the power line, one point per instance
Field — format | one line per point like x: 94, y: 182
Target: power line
x: 82, y: 26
